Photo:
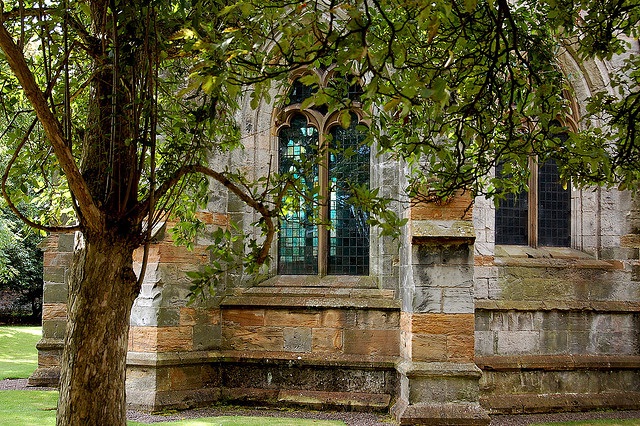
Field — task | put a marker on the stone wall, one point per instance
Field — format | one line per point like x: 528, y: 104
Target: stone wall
x: 559, y: 328
x: 58, y: 253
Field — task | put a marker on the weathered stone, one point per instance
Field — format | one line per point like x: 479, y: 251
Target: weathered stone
x: 54, y: 274
x: 458, y: 207
x: 425, y: 299
x: 54, y: 311
x: 371, y: 319
x: 372, y: 342
x: 458, y: 300
x: 55, y: 293
x: 447, y: 324
x: 297, y: 339
x: 429, y: 347
x: 252, y: 338
x: 244, y: 317
x: 460, y: 348
x: 333, y: 318
x: 206, y: 337
x: 54, y: 328
x: 291, y: 318
x: 327, y: 340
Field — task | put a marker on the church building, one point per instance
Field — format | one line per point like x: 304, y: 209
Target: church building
x: 530, y: 307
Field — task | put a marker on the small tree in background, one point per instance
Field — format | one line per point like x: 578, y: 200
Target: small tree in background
x: 21, y: 268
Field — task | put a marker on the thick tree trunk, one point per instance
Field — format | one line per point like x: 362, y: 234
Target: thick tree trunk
x: 102, y: 289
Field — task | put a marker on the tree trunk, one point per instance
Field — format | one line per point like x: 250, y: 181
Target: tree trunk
x: 102, y: 289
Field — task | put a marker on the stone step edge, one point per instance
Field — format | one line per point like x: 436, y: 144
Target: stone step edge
x: 557, y: 362
x: 546, y: 403
x: 557, y: 305
x: 311, y: 302
x: 163, y: 359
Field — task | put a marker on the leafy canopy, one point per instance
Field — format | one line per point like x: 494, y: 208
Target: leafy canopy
x: 452, y: 87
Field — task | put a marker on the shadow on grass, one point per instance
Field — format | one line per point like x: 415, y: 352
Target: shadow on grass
x: 38, y: 408
x: 18, y: 354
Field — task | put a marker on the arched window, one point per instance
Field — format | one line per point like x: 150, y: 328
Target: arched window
x: 324, y: 232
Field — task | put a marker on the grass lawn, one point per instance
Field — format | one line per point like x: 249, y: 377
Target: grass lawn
x: 18, y: 354
x: 600, y: 422
x: 38, y: 408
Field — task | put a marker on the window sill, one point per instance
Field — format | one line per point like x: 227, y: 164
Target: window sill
x: 334, y: 291
x: 548, y: 257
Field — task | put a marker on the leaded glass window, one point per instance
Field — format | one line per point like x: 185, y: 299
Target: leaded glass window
x: 321, y: 230
x: 349, y: 231
x: 554, y: 207
x: 541, y: 217
x: 298, y: 245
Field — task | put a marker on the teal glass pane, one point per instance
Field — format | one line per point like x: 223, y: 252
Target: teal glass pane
x: 349, y: 232
x: 298, y: 240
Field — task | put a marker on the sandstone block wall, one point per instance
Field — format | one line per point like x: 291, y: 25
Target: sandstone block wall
x: 559, y: 328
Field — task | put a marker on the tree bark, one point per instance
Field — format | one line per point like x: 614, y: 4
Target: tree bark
x: 102, y: 289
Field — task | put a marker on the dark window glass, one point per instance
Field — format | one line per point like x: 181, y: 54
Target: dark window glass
x: 554, y: 207
x: 298, y: 242
x: 299, y: 92
x: 512, y: 217
x: 349, y: 231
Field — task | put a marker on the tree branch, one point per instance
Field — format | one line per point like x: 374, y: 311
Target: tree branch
x: 10, y: 203
x: 142, y: 208
x: 90, y: 215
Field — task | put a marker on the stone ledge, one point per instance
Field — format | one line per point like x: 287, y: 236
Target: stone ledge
x: 45, y: 377
x: 558, y: 362
x: 322, y: 399
x: 439, y: 369
x: 558, y: 305
x: 314, y: 399
x: 320, y: 359
x: 328, y: 281
x: 176, y: 399
x: 164, y: 359
x: 533, y: 403
x: 451, y: 231
x: 296, y: 291
x: 349, y: 301
x: 290, y: 359
x: 50, y: 344
x: 547, y: 257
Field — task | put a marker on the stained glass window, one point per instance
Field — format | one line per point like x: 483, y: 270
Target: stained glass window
x: 298, y: 244
x: 327, y: 165
x: 349, y: 231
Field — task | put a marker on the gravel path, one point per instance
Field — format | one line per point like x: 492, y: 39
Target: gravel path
x: 350, y: 418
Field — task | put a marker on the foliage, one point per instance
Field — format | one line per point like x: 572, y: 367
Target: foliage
x: 21, y: 263
x: 455, y: 87
x: 18, y: 354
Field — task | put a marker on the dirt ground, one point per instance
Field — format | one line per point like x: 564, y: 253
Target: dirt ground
x: 350, y: 418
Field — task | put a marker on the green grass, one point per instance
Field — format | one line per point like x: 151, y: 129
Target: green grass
x: 18, y: 354
x: 28, y: 408
x: 38, y: 408
x: 599, y: 422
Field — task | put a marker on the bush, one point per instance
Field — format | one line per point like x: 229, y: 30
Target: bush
x: 21, y: 280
